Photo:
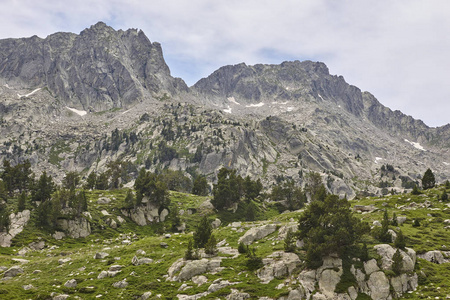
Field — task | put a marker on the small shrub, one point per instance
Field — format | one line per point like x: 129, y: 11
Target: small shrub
x: 415, y: 190
x: 364, y: 253
x: 416, y: 223
x: 254, y: 262
x: 242, y: 249
x: 444, y: 196
x: 289, y: 241
x: 190, y: 253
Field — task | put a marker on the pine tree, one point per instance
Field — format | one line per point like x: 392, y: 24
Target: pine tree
x: 203, y: 233
x: 400, y: 241
x: 21, y: 201
x: 428, y: 180
x: 384, y: 235
x: 397, y: 262
x: 394, y: 220
x: 289, y: 241
x: 415, y: 190
x: 210, y: 246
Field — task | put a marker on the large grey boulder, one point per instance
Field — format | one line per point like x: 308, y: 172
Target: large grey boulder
x: 434, y: 256
x: 371, y: 266
x: 72, y: 283
x: 277, y: 265
x: 100, y: 255
x: 378, y: 285
x: 236, y: 295
x: 141, y: 261
x: 13, y: 271
x: 120, y: 284
x: 197, y: 267
x: 257, y: 233
x: 76, y: 228
x: 16, y: 224
x: 328, y: 279
x: 387, y: 252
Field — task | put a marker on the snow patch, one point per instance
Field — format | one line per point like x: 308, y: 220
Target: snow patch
x: 232, y: 100
x: 416, y: 145
x: 6, y: 86
x: 280, y: 103
x: 290, y: 108
x: 78, y: 112
x: 228, y: 110
x: 377, y: 159
x: 321, y: 97
x: 126, y: 111
x: 29, y: 94
x: 446, y: 163
x: 255, y: 105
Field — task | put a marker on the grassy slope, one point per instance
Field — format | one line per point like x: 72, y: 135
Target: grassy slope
x: 431, y: 235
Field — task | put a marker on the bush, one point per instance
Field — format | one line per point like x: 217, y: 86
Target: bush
x: 415, y: 191
x: 242, y: 249
x: 190, y: 253
x: 416, y: 223
x: 428, y: 180
x: 254, y: 262
x: 444, y: 196
x: 290, y: 241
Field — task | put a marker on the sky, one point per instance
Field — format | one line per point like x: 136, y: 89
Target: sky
x: 398, y: 50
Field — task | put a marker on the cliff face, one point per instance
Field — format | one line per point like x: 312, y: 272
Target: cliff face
x: 96, y: 70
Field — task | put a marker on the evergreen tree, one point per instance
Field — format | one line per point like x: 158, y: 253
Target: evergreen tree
x: 397, y: 262
x: 71, y: 180
x: 21, y: 201
x: 384, y: 235
x: 200, y: 187
x: 329, y: 227
x: 210, y: 246
x: 190, y: 253
x: 130, y: 201
x: 43, y: 189
x: 400, y: 241
x: 228, y: 189
x: 101, y: 182
x: 203, y: 233
x: 428, y: 180
x: 394, y: 220
x: 91, y: 181
x: 4, y: 218
x: 415, y: 190
x: 290, y: 241
x: 364, y: 253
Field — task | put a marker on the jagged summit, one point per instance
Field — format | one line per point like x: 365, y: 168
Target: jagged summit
x: 98, y: 69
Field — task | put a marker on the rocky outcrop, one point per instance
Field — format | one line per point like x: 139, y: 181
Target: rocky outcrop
x: 75, y: 228
x: 144, y: 215
x: 183, y: 270
x: 13, y: 271
x: 17, y: 223
x: 435, y: 256
x: 277, y: 265
x: 387, y: 252
x: 371, y: 279
x: 257, y: 233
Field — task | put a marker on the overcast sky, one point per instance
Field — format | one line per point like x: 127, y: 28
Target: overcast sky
x: 397, y: 50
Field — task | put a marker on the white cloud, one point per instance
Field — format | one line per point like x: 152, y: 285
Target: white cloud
x: 397, y: 50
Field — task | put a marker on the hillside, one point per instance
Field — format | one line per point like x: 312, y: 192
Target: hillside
x: 145, y: 257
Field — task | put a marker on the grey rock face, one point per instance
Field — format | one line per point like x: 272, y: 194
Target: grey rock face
x: 257, y: 233
x: 98, y: 69
x: 433, y: 256
x: 277, y: 265
x: 13, y: 271
x: 76, y: 228
x: 17, y: 222
x: 72, y: 283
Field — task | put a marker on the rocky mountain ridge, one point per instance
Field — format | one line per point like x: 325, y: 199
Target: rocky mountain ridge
x: 63, y: 97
